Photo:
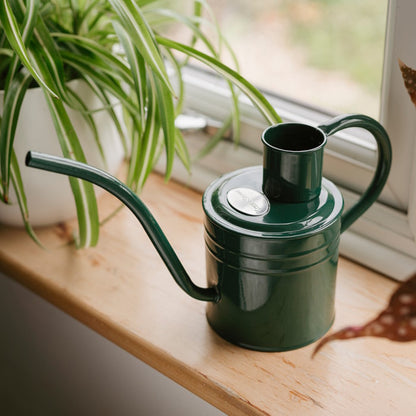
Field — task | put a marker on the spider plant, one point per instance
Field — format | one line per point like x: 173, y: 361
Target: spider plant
x: 118, y: 48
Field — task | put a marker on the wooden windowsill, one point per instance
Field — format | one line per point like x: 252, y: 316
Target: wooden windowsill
x: 122, y: 290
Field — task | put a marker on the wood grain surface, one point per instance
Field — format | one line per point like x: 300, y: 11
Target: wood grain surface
x: 122, y: 290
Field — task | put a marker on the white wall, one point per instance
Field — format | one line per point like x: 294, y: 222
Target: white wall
x: 50, y: 364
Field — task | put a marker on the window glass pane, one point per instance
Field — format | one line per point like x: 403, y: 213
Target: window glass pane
x: 328, y: 53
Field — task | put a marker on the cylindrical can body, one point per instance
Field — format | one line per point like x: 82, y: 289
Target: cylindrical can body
x: 272, y: 300
x: 275, y: 271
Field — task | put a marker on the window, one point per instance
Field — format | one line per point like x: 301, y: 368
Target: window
x: 309, y: 50
x: 384, y: 238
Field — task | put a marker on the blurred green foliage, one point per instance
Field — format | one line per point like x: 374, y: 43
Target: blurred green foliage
x: 336, y: 35
x: 346, y: 35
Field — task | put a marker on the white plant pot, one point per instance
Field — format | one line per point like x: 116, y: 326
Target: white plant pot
x: 49, y: 195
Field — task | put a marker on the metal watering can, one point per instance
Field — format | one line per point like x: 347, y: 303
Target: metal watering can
x: 271, y: 235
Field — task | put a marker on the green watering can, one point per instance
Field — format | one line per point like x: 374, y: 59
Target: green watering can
x: 271, y: 233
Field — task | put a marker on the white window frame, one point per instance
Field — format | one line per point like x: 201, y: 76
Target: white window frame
x: 384, y: 238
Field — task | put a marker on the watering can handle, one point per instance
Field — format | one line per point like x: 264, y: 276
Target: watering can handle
x: 133, y: 202
x: 383, y: 163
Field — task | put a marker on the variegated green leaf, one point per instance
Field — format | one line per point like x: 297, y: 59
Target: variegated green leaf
x: 182, y: 150
x: 97, y: 56
x: 236, y: 114
x: 12, y: 104
x: 29, y: 21
x: 151, y: 156
x: 6, y: 52
x: 90, y: 16
x: 166, y: 110
x: 177, y: 67
x: 141, y: 155
x: 14, y: 36
x: 137, y: 68
x: 105, y: 81
x: 215, y: 139
x: 108, y: 106
x: 75, y: 38
x: 21, y: 198
x: 141, y: 35
x: 86, y: 203
x: 258, y: 99
x: 47, y: 56
x: 86, y: 114
x: 193, y: 24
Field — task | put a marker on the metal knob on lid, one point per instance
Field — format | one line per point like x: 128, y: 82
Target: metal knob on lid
x: 248, y: 201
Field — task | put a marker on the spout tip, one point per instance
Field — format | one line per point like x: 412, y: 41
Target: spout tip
x: 28, y: 158
x: 36, y: 159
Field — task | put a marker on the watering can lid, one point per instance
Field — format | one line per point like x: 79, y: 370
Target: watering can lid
x: 235, y: 202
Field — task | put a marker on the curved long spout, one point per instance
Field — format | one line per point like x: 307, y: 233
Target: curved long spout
x: 132, y: 201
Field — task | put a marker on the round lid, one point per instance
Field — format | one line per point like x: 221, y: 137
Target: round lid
x: 236, y: 202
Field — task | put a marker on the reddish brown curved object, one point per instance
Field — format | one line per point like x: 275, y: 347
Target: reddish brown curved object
x: 397, y: 322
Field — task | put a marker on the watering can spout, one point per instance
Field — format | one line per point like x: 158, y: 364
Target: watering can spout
x: 132, y: 201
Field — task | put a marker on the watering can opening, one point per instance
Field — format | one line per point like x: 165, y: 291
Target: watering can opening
x: 294, y: 137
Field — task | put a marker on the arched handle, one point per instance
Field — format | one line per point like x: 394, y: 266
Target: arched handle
x: 383, y: 162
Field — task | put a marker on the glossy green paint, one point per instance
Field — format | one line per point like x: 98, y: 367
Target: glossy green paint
x: 271, y: 261
x: 292, y: 162
x: 137, y: 207
x: 276, y: 272
x: 384, y: 155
